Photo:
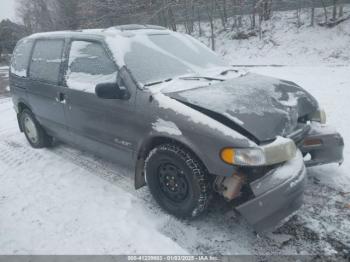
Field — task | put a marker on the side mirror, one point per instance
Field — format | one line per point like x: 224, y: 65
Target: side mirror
x: 111, y: 91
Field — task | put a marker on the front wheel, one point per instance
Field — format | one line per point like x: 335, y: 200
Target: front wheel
x: 33, y: 131
x: 177, y: 180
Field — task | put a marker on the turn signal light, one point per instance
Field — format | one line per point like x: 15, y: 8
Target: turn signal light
x: 313, y: 142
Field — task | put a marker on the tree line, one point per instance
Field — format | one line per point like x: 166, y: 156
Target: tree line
x: 190, y: 15
x: 49, y: 15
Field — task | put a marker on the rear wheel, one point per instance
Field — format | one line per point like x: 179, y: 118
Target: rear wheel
x: 33, y: 131
x: 177, y: 180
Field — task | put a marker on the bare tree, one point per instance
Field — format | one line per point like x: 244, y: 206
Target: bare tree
x: 334, y: 16
x: 325, y: 11
x: 210, y: 7
x: 341, y: 10
x: 36, y: 15
x: 312, y: 16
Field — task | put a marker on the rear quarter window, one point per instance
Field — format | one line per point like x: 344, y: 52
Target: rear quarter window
x: 46, y: 60
x: 20, y: 58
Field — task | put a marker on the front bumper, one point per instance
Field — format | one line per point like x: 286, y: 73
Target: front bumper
x: 324, y: 144
x: 277, y: 195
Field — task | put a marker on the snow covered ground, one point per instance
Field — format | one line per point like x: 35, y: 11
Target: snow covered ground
x: 51, y: 205
x: 64, y: 201
x: 283, y: 43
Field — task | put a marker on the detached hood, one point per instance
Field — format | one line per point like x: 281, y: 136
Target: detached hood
x: 258, y: 106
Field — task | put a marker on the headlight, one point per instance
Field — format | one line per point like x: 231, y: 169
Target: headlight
x: 243, y: 156
x: 279, y: 151
x: 319, y: 116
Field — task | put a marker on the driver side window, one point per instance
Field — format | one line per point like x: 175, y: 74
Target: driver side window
x: 88, y: 66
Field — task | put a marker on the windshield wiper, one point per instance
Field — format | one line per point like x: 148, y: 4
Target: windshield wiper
x: 158, y: 82
x: 228, y: 70
x: 201, y: 77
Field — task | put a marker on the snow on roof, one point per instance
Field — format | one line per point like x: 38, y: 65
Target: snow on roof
x: 122, y: 30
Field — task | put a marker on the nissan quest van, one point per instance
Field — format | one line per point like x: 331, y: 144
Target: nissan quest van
x: 164, y: 105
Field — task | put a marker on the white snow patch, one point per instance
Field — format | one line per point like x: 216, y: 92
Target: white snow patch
x: 83, y: 81
x: 234, y: 119
x: 87, y: 82
x: 167, y: 127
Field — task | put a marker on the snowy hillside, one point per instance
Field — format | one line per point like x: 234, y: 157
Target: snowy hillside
x: 283, y: 43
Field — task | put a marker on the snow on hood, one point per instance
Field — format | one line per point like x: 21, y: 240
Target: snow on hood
x: 263, y: 106
x: 168, y: 103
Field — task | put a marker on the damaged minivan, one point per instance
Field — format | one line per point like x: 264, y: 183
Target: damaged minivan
x: 167, y: 107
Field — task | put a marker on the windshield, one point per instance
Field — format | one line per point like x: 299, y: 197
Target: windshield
x: 164, y: 56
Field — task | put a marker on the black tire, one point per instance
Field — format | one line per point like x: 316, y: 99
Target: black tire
x: 42, y: 138
x: 178, y: 181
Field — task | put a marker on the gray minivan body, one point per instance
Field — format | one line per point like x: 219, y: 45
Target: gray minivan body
x: 54, y: 75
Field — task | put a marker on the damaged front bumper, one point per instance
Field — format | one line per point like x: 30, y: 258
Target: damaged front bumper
x: 277, y: 195
x: 322, y: 145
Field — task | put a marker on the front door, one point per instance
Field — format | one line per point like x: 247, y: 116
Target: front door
x: 98, y: 125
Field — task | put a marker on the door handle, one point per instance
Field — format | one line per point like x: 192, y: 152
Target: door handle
x: 61, y: 98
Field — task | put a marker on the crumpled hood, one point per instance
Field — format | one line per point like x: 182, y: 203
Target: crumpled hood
x: 262, y: 106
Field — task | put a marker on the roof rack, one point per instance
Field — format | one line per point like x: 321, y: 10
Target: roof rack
x: 131, y: 27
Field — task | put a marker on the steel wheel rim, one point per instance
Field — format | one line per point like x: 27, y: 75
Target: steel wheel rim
x: 30, y: 129
x: 173, y: 183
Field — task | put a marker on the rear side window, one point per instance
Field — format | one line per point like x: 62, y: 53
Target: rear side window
x: 88, y: 66
x: 46, y: 60
x: 20, y: 58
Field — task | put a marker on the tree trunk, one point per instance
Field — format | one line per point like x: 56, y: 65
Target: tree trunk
x: 312, y: 13
x: 325, y: 11
x: 199, y: 22
x: 253, y: 22
x: 341, y: 10
x: 212, y: 35
x: 225, y: 11
x: 172, y: 20
x: 334, y: 17
x: 210, y: 10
